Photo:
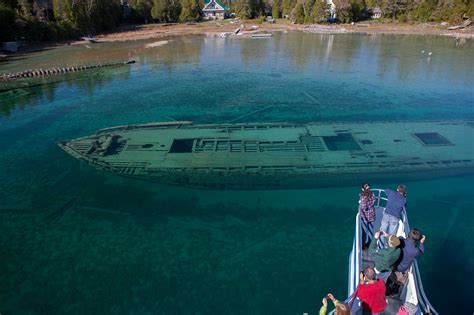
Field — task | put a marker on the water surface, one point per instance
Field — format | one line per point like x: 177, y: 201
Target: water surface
x: 78, y: 240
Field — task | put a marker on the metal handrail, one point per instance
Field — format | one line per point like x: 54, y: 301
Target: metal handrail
x: 379, y: 196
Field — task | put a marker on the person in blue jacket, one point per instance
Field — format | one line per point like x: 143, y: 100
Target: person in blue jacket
x: 396, y: 200
x: 411, y: 249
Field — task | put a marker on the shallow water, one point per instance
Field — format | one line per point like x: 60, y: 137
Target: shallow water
x: 77, y: 240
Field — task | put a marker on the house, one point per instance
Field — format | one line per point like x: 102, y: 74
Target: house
x: 214, y: 10
x: 377, y: 13
x: 332, y: 8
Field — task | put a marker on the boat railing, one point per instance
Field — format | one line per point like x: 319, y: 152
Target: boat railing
x: 355, y: 258
x: 380, y: 198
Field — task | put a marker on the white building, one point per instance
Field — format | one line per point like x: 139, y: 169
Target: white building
x: 377, y: 13
x: 214, y: 10
x: 332, y: 8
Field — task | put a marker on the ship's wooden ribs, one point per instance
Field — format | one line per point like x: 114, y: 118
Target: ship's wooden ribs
x: 212, y: 145
x: 60, y: 70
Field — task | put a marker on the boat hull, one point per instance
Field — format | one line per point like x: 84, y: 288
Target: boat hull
x: 279, y: 156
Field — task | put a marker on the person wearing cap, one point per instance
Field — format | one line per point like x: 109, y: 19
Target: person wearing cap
x: 384, y: 258
x: 371, y: 292
x: 396, y: 201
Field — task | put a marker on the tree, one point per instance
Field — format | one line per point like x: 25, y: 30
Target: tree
x: 357, y: 9
x: 7, y: 23
x: 141, y: 10
x: 298, y: 13
x: 190, y: 10
x: 319, y: 10
x: 12, y: 4
x: 160, y: 10
x: 105, y: 15
x: 287, y: 7
x: 62, y: 9
x: 370, y: 4
x: 308, y: 7
x: 174, y: 10
x: 26, y: 7
x: 248, y: 9
x: 343, y: 8
x: 275, y: 9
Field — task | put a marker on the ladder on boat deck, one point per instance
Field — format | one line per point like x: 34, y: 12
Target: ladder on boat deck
x: 413, y: 290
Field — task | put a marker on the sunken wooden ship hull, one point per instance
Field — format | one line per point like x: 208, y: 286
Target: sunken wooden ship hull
x: 279, y: 155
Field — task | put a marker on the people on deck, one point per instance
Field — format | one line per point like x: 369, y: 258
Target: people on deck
x: 384, y: 258
x: 396, y: 200
x: 341, y: 308
x: 371, y: 292
x: 411, y: 249
x: 367, y: 214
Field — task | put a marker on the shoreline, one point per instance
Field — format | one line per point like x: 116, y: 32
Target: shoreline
x: 150, y: 31
x: 215, y: 28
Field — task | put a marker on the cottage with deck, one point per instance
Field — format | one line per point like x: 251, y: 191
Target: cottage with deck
x: 214, y: 10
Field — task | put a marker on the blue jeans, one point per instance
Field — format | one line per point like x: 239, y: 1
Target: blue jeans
x: 389, y: 224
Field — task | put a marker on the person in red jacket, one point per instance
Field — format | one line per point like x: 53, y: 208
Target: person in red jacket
x: 371, y: 292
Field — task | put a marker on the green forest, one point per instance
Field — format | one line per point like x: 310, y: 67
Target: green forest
x: 50, y: 20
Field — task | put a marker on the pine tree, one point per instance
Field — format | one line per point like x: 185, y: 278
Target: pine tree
x: 299, y: 16
x: 243, y: 9
x: 62, y: 9
x: 190, y: 10
x: 160, y: 10
x: 319, y: 10
x: 288, y: 7
x: 275, y: 9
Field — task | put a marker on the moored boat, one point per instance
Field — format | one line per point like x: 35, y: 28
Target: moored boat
x: 279, y: 155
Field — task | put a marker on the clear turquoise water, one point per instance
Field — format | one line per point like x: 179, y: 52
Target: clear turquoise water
x: 77, y: 240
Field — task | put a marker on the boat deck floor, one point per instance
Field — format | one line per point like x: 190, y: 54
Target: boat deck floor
x: 393, y: 303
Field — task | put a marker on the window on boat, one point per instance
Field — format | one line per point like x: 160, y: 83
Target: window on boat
x: 432, y: 139
x: 182, y: 146
x: 341, y: 142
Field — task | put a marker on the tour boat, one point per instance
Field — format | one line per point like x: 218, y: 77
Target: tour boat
x: 412, y: 291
